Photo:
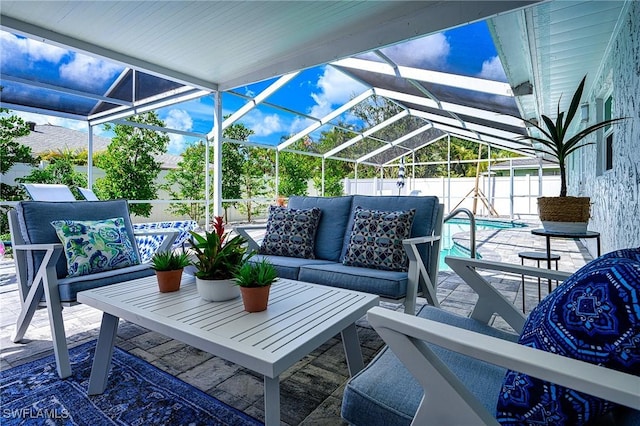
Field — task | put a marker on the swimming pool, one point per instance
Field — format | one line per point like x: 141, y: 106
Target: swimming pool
x: 455, y: 226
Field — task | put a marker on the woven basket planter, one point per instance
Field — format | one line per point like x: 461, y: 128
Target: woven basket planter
x: 564, y: 214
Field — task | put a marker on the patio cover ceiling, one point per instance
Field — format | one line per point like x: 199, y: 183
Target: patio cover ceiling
x: 178, y: 50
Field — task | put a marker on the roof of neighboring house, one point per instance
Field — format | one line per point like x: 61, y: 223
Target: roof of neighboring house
x: 525, y: 163
x: 47, y: 137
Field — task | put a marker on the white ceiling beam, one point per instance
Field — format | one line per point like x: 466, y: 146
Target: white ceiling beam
x: 367, y: 133
x: 473, y: 136
x: 324, y: 120
x: 395, y: 142
x: 257, y: 100
x: 428, y: 76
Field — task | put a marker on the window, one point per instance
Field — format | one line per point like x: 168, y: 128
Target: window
x: 608, y: 134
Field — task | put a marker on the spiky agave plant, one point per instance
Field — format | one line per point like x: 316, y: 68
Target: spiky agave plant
x: 554, y: 138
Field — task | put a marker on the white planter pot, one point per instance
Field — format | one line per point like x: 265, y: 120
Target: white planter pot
x: 565, y: 227
x: 217, y: 290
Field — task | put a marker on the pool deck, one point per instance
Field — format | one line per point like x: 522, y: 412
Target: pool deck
x: 312, y: 390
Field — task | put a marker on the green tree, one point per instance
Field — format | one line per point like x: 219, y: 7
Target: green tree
x: 295, y: 170
x: 129, y: 163
x: 257, y: 178
x: 187, y: 183
x: 234, y: 156
x: 11, y: 152
x: 60, y: 170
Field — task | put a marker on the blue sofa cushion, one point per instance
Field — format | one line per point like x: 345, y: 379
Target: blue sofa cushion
x: 291, y: 232
x: 593, y: 316
x: 386, y: 393
x: 35, y: 217
x: 288, y: 267
x: 332, y: 226
x: 376, y: 239
x: 424, y: 221
x: 391, y: 284
x: 92, y: 246
x: 69, y: 287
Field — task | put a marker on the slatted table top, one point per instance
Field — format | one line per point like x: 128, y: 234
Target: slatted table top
x: 299, y: 318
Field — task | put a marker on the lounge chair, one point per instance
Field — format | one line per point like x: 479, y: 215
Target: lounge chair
x: 444, y: 369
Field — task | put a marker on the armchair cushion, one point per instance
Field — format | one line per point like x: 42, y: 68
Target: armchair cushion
x: 291, y: 232
x: 372, y: 397
x: 376, y: 239
x: 35, y: 217
x: 95, y: 245
x: 594, y: 316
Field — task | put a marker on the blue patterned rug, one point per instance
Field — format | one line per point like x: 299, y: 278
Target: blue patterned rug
x: 137, y: 394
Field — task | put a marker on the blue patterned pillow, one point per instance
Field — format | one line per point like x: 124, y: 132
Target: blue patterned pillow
x: 95, y: 245
x: 376, y: 239
x: 291, y: 232
x: 593, y: 316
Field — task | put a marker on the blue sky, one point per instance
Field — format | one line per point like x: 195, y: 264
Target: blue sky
x: 466, y: 50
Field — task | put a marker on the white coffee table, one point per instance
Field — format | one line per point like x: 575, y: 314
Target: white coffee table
x: 300, y: 317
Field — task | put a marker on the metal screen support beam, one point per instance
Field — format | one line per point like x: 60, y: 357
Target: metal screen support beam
x: 277, y: 175
x: 324, y: 120
x: 323, y: 176
x: 217, y: 156
x: 257, y: 100
x: 90, y: 158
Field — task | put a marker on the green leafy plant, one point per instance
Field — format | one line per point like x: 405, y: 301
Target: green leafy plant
x: 217, y: 256
x: 554, y: 139
x: 169, y: 261
x: 258, y: 274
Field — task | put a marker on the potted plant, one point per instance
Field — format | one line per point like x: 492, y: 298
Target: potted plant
x: 169, y: 266
x: 254, y: 280
x: 563, y: 213
x: 216, y: 258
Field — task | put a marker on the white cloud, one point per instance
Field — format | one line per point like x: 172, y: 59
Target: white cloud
x: 14, y: 47
x: 335, y: 89
x: 263, y: 124
x: 178, y: 119
x: 91, y: 72
x: 492, y: 70
x: 41, y: 119
x: 422, y: 52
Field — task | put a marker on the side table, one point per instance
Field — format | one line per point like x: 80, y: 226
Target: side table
x: 537, y: 256
x: 569, y: 235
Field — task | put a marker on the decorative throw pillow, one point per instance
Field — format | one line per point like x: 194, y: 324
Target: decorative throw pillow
x: 95, y: 245
x: 376, y: 239
x: 291, y: 232
x: 594, y: 316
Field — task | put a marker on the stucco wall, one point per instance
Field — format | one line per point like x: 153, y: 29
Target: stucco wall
x: 615, y: 194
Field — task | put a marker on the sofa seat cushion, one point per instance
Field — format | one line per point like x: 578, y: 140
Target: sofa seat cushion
x: 288, y: 267
x: 332, y: 225
x: 386, y: 393
x: 70, y: 286
x: 390, y: 284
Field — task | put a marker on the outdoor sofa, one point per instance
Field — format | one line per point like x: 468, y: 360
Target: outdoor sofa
x: 327, y: 254
x: 440, y: 368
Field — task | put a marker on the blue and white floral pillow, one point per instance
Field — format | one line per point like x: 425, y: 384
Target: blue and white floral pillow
x: 95, y: 245
x: 594, y: 316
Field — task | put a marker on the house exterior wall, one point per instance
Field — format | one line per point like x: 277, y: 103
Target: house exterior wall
x: 615, y: 193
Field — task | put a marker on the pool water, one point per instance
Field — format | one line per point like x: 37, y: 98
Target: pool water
x: 455, y: 226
